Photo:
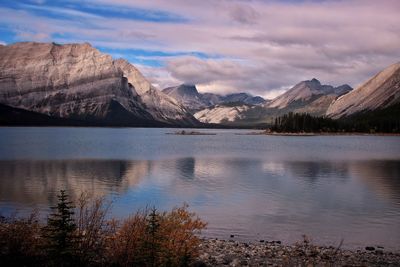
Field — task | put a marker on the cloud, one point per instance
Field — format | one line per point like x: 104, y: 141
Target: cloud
x: 33, y: 36
x: 38, y: 2
x: 244, y: 14
x: 62, y: 11
x: 262, y: 47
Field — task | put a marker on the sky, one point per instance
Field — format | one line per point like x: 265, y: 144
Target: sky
x: 222, y: 46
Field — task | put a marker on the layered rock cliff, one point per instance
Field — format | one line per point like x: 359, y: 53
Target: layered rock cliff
x: 379, y: 92
x: 76, y: 81
x: 160, y: 105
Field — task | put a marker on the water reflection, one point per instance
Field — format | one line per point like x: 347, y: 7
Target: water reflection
x: 38, y: 182
x: 383, y: 177
x: 311, y: 171
x: 358, y: 200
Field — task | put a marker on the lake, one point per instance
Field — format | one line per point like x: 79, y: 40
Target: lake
x: 252, y: 186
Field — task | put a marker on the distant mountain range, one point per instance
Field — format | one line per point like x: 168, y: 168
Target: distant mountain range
x: 75, y: 84
x: 379, y: 93
x: 306, y: 97
x: 188, y: 96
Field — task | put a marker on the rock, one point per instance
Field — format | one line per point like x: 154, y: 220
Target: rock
x: 244, y: 262
x: 235, y: 262
x: 232, y: 236
x: 222, y: 113
x: 305, y: 91
x: 381, y: 91
x: 198, y: 263
x: 161, y: 106
x: 227, y: 259
x: 260, y: 254
x: 76, y: 81
x: 369, y: 248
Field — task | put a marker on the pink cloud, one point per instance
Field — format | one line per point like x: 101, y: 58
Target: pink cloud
x: 263, y: 46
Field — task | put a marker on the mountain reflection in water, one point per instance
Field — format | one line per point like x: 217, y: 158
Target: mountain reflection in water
x: 250, y: 198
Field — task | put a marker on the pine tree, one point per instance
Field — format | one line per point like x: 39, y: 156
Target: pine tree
x: 153, y: 226
x: 60, y: 230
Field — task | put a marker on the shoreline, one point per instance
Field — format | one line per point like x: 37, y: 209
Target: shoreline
x: 260, y: 131
x: 321, y: 134
x: 216, y: 252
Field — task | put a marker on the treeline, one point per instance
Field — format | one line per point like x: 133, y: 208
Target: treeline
x: 297, y: 122
x: 385, y: 120
x: 380, y: 121
x: 82, y: 235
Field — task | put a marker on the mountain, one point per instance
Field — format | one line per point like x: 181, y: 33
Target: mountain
x: 305, y: 97
x: 222, y: 114
x: 187, y: 95
x: 379, y: 92
x: 306, y: 91
x: 161, y: 106
x: 78, y: 82
x: 195, y: 101
x: 243, y: 98
x: 20, y: 117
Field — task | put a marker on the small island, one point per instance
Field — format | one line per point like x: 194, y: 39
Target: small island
x: 183, y: 132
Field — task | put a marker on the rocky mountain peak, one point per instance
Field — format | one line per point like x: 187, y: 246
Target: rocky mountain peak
x: 135, y: 78
x: 306, y: 90
x: 381, y: 91
x: 182, y: 91
x: 77, y: 81
x: 314, y: 81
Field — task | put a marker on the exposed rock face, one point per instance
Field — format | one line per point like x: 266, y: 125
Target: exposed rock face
x: 73, y: 81
x: 243, y: 98
x: 161, y: 106
x: 195, y: 101
x: 305, y: 91
x: 211, y: 99
x: 187, y: 95
x: 381, y: 91
x: 221, y: 114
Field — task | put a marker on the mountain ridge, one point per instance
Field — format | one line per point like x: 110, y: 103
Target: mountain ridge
x: 308, y: 96
x: 189, y: 96
x: 380, y: 91
x: 304, y: 90
x: 77, y: 81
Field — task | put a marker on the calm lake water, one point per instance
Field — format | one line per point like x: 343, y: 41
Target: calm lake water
x: 255, y: 187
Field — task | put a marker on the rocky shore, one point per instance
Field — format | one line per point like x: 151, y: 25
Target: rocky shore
x: 214, y: 252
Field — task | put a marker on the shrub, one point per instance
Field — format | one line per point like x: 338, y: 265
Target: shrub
x: 21, y: 241
x: 150, y: 238
x: 82, y: 236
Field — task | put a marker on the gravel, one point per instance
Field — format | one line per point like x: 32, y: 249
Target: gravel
x: 214, y: 252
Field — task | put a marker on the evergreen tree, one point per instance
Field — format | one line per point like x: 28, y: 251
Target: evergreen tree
x: 60, y: 230
x: 153, y: 225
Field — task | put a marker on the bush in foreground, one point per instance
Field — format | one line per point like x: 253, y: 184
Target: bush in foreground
x: 83, y: 236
